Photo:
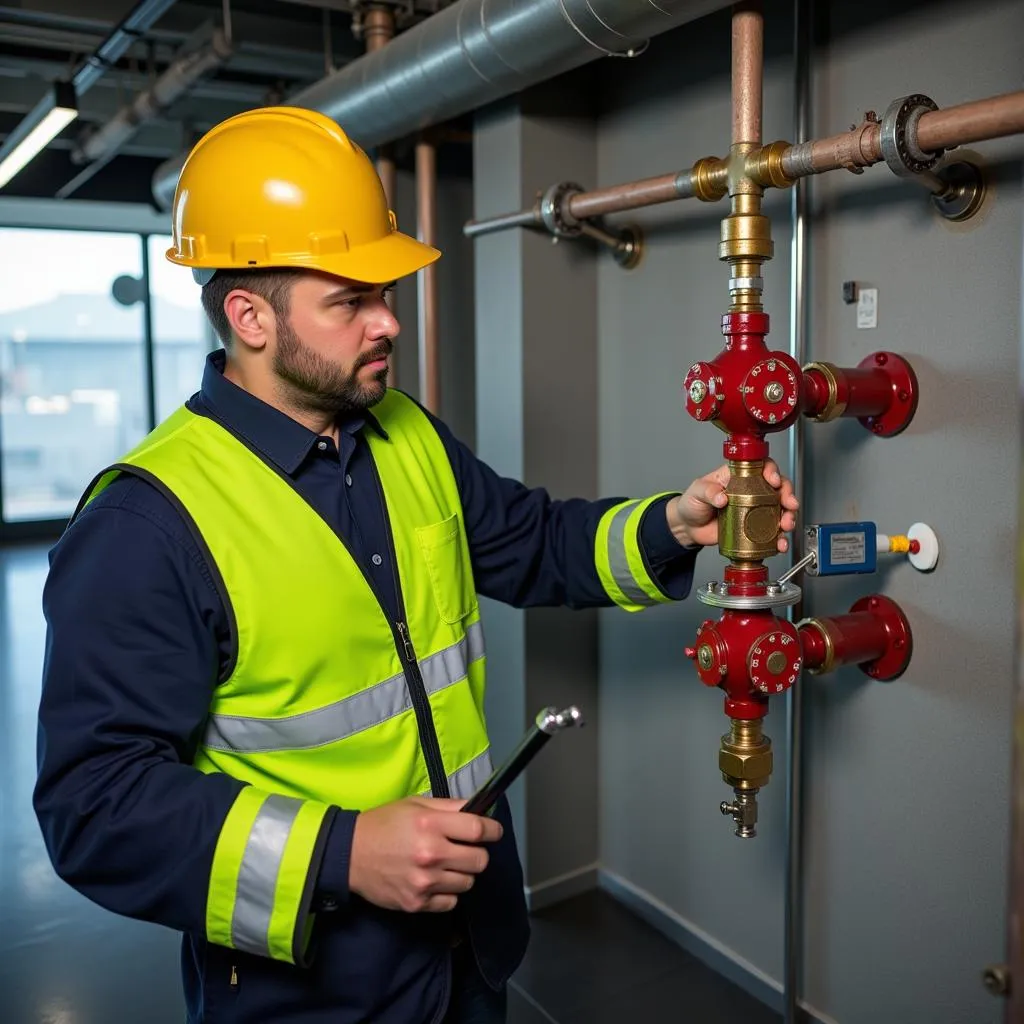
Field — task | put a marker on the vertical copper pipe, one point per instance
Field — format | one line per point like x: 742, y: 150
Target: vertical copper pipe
x: 426, y: 211
x: 378, y: 31
x: 747, y: 71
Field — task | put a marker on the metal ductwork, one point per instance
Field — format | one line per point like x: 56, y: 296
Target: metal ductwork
x: 468, y: 55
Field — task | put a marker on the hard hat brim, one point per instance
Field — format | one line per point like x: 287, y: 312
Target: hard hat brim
x: 395, y: 256
x: 388, y: 259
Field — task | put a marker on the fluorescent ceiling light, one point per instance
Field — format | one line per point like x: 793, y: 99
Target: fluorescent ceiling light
x: 37, y: 129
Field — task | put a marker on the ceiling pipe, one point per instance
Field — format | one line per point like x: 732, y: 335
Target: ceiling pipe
x: 100, y: 146
x: 470, y: 54
x: 120, y: 40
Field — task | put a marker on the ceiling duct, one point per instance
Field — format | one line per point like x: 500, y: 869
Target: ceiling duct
x: 470, y: 54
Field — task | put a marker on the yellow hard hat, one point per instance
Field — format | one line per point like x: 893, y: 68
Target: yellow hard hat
x: 286, y: 187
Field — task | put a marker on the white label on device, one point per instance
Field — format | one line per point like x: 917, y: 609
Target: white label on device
x: 847, y: 548
x: 867, y: 307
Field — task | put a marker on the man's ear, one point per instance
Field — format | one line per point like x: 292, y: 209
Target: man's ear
x: 249, y: 317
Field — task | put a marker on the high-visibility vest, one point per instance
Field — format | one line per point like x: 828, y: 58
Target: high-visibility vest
x: 329, y: 701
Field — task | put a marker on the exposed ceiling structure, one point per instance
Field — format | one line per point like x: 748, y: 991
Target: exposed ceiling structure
x: 192, y: 65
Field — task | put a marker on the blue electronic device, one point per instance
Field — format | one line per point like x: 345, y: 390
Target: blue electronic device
x: 841, y: 548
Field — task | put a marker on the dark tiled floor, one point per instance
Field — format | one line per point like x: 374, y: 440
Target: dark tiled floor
x: 592, y: 961
x: 65, y: 961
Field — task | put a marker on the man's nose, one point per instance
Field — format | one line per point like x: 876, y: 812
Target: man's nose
x: 385, y: 324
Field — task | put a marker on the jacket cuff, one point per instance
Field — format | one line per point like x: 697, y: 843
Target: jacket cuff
x: 670, y: 563
x: 620, y: 559
x: 659, y: 545
x: 332, y: 882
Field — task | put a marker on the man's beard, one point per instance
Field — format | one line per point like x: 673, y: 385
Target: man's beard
x: 317, y: 385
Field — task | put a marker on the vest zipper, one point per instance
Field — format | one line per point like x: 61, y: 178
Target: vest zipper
x: 414, y: 679
x: 400, y: 631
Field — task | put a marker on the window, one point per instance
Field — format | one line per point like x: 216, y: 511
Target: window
x: 72, y: 379
x: 182, y: 336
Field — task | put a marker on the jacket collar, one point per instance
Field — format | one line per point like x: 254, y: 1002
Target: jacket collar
x: 267, y: 430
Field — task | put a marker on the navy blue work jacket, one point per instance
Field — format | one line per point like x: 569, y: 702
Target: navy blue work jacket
x: 136, y: 637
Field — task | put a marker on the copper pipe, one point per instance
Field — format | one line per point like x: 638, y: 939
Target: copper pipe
x: 426, y: 209
x: 859, y: 147
x: 977, y: 121
x: 747, y: 71
x: 378, y: 31
x: 631, y: 195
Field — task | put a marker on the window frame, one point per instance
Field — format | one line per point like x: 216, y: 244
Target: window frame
x: 95, y: 218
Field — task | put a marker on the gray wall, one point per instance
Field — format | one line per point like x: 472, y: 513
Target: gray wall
x: 907, y: 800
x: 537, y: 417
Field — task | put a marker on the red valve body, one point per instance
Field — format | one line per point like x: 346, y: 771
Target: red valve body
x: 748, y: 654
x: 748, y: 390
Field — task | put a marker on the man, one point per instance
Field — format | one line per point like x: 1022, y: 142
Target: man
x: 263, y: 694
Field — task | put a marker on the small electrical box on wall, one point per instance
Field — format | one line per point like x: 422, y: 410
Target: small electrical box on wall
x: 838, y: 549
x: 842, y: 548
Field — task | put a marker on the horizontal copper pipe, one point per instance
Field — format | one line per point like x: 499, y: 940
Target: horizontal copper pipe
x: 631, y: 195
x: 976, y: 121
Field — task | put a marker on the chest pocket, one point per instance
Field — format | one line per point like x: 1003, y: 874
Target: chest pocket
x: 448, y: 564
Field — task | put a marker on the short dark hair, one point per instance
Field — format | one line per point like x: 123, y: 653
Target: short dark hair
x: 275, y: 286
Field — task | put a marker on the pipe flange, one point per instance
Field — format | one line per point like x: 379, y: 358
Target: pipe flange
x: 898, y: 136
x: 833, y: 407
x: 554, y: 210
x: 776, y: 595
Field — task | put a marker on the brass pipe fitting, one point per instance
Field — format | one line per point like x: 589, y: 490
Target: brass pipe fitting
x: 746, y: 232
x: 745, y: 756
x: 750, y: 522
x: 819, y: 627
x: 834, y: 408
x: 764, y: 166
x: 709, y: 179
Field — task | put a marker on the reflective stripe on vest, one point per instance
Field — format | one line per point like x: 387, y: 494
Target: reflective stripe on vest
x: 349, y: 716
x: 619, y: 559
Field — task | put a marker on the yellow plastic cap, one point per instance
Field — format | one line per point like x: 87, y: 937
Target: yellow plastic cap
x: 286, y: 187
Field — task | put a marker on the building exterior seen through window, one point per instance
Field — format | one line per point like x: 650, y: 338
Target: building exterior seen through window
x: 75, y: 352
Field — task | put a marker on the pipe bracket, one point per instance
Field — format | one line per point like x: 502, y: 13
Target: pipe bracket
x: 963, y: 190
x: 554, y: 210
x: 898, y: 136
